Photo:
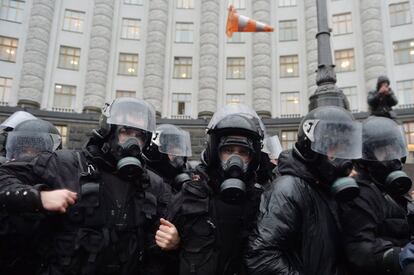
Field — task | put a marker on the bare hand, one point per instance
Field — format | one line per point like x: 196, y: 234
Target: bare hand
x: 167, y: 236
x: 57, y: 200
x: 384, y: 89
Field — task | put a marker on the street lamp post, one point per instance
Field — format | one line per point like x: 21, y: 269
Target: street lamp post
x: 327, y: 93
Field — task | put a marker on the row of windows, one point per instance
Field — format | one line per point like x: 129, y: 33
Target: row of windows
x: 69, y: 58
x: 12, y: 10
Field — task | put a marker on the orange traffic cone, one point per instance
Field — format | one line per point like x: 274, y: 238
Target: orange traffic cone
x: 241, y: 23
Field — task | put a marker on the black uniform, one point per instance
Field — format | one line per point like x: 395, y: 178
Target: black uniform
x: 297, y: 228
x: 374, y: 224
x: 110, y: 230
x: 213, y: 233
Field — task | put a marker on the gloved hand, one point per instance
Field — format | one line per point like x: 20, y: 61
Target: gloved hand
x: 407, y: 255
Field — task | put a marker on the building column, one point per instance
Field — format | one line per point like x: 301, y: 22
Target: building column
x: 155, y: 53
x: 36, y: 54
x: 209, y: 54
x: 98, y: 56
x: 373, y: 42
x: 311, y: 28
x: 262, y: 61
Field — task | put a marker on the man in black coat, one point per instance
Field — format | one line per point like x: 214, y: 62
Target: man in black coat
x: 381, y: 100
x: 110, y: 204
x: 215, y: 212
x: 298, y: 230
x: 375, y: 224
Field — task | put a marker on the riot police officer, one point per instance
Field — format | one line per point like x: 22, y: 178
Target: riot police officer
x: 298, y: 229
x: 214, y: 213
x: 110, y: 229
x: 167, y: 155
x: 375, y: 224
x: 20, y: 232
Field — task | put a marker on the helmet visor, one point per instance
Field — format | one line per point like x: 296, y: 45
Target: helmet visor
x: 336, y: 139
x: 173, y: 141
x: 131, y: 112
x: 380, y: 145
x: 28, y: 144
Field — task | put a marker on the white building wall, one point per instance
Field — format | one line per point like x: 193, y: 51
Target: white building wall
x: 223, y: 86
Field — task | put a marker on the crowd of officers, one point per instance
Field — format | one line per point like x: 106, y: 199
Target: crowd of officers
x: 130, y: 202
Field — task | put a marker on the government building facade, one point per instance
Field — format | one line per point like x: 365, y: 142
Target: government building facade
x: 63, y: 59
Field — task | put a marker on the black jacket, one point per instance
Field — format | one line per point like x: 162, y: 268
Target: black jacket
x: 375, y: 228
x: 111, y: 226
x: 297, y: 229
x: 379, y: 104
x: 213, y: 233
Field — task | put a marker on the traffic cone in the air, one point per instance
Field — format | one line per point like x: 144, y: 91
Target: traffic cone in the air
x: 241, y: 23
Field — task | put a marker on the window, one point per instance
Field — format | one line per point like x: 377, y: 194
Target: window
x: 5, y: 88
x: 63, y: 131
x: 73, y: 21
x: 184, y: 32
x: 289, y: 66
x: 288, y: 30
x: 409, y: 135
x: 235, y: 68
x: 287, y: 3
x: 405, y: 92
x: 352, y: 95
x: 130, y: 28
x: 65, y: 96
x: 238, y: 4
x: 400, y: 14
x: 234, y: 98
x: 289, y: 103
x: 8, y: 48
x: 344, y: 60
x: 409, y: 132
x: 134, y: 2
x: 289, y: 139
x: 342, y: 23
x: 122, y: 93
x: 237, y: 37
x: 69, y: 58
x: 181, y: 105
x: 403, y: 52
x: 183, y: 67
x: 185, y: 4
x: 128, y: 64
x: 12, y: 10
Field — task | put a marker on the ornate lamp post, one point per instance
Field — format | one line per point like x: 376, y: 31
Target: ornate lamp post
x: 327, y: 93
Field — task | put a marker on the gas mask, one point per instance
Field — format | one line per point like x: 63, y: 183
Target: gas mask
x: 389, y: 175
x: 127, y: 155
x: 233, y: 188
x: 178, y: 162
x: 335, y: 172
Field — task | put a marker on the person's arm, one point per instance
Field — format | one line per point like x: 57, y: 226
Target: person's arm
x: 22, y: 190
x: 391, y: 98
x: 365, y: 250
x: 278, y: 226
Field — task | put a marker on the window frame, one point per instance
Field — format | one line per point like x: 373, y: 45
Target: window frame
x: 284, y: 65
x: 132, y: 63
x: 230, y: 74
